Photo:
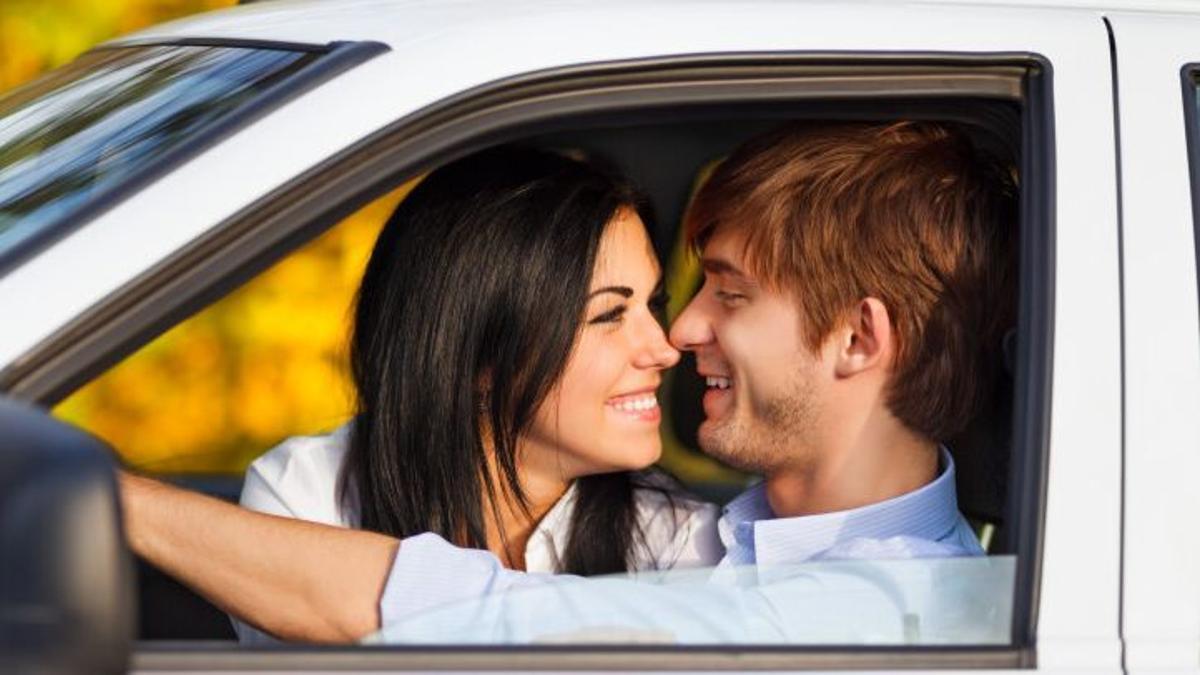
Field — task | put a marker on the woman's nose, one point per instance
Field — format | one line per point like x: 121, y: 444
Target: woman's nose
x: 656, y: 351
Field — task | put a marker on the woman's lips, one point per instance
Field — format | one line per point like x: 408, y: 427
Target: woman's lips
x: 642, y: 407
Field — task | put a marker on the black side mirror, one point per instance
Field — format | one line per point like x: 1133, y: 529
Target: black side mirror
x: 66, y: 575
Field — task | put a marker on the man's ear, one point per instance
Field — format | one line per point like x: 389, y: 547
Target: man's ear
x: 867, y: 339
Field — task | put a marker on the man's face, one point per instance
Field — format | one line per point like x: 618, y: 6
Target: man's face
x: 763, y: 385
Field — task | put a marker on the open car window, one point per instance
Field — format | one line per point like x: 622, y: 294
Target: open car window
x: 977, y: 602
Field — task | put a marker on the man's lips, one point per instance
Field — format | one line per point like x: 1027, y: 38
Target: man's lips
x: 718, y: 396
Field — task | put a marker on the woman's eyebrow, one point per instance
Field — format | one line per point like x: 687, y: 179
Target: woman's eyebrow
x: 623, y: 291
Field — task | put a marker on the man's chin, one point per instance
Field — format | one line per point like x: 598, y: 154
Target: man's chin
x: 720, y: 441
x: 737, y: 446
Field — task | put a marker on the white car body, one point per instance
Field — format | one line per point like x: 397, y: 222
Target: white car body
x: 1120, y: 569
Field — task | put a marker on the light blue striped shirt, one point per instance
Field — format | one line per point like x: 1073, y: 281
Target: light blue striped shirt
x: 781, y: 580
x: 924, y: 523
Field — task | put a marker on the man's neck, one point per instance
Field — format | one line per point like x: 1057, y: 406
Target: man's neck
x: 861, y: 472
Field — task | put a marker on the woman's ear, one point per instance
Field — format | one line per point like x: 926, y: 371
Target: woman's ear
x: 867, y: 339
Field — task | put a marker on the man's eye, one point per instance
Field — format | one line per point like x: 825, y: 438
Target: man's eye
x: 729, y: 296
x: 614, y: 315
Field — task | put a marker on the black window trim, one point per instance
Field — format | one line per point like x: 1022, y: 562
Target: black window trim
x: 1189, y: 76
x: 337, y: 58
x: 251, y: 240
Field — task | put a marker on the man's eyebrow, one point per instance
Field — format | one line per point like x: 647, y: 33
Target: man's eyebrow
x: 623, y: 291
x: 722, y: 266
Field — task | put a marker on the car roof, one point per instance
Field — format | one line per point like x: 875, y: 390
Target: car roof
x: 443, y: 49
x: 404, y: 24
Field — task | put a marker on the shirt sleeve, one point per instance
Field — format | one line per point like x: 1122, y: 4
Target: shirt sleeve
x: 455, y: 596
x: 429, y: 572
x: 439, y: 593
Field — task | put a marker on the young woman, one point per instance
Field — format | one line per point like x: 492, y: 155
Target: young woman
x: 506, y: 350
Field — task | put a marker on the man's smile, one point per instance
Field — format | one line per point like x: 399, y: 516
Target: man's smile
x: 718, y: 396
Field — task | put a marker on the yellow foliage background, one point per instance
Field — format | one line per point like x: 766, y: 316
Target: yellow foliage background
x: 37, y: 35
x: 266, y: 362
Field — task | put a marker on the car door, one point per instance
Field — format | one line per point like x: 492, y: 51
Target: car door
x: 852, y: 60
x: 1155, y: 77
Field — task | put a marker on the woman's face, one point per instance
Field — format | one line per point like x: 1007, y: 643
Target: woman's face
x: 603, y: 413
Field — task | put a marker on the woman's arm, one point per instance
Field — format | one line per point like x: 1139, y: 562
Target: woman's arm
x: 294, y: 579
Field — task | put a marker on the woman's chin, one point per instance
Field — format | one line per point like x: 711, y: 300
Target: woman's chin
x: 640, y: 456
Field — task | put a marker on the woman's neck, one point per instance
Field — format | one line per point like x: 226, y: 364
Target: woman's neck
x: 510, y: 526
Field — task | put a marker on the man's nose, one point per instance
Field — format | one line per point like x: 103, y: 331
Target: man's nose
x: 692, y: 328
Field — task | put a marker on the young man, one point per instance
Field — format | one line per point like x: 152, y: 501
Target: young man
x: 857, y: 282
x: 857, y: 286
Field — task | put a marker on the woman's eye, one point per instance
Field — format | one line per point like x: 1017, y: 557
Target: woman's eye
x: 614, y: 315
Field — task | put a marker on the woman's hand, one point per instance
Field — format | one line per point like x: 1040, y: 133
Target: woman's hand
x: 294, y: 579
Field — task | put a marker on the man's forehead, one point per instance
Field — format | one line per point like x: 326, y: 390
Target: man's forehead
x: 725, y: 253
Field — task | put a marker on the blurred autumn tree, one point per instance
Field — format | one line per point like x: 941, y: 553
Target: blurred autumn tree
x: 265, y: 362
x: 37, y: 35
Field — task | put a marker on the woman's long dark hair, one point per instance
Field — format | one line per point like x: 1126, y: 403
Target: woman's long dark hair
x: 469, y: 309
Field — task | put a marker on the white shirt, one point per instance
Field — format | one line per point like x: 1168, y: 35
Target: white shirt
x: 299, y: 479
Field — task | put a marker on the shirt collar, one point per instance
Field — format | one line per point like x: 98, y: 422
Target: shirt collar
x: 752, y: 534
x: 549, y: 539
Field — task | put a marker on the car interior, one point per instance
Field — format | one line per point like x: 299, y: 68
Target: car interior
x: 666, y: 154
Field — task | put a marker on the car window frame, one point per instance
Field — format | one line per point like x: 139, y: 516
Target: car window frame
x: 1189, y: 76
x: 262, y: 233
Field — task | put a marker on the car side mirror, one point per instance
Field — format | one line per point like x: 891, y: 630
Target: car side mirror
x: 66, y: 576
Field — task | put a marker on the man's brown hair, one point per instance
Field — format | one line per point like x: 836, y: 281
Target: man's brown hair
x: 910, y: 213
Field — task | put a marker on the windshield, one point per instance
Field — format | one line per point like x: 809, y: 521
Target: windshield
x: 76, y: 136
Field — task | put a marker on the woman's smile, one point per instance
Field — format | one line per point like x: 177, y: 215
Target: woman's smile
x: 641, y: 406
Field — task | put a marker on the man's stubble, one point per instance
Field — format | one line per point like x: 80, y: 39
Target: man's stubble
x: 776, y: 432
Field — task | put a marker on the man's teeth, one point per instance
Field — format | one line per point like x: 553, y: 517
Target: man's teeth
x: 718, y: 382
x: 636, y: 403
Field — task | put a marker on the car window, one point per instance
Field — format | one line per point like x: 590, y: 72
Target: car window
x: 68, y: 138
x: 931, y: 601
x: 264, y: 363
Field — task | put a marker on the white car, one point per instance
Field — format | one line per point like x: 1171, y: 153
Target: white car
x: 252, y: 130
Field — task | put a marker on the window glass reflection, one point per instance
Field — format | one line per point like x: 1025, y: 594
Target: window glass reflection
x: 69, y: 138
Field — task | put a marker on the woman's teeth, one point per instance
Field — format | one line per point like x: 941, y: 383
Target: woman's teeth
x: 718, y: 382
x: 635, y: 403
